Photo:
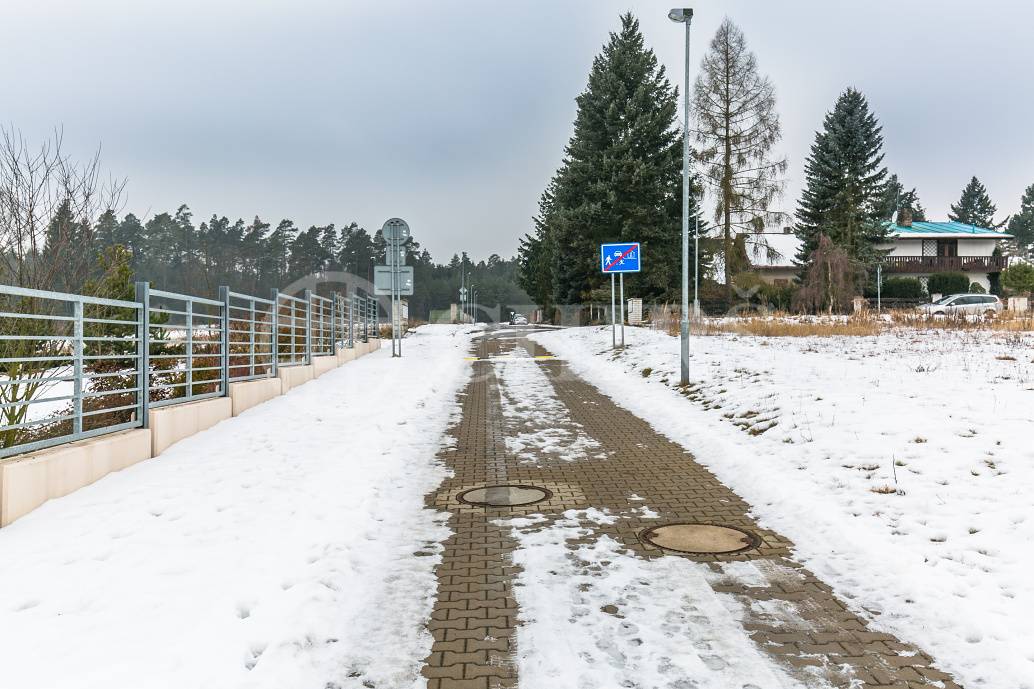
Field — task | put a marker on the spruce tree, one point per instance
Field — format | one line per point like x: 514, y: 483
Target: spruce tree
x: 843, y: 197
x: 1021, y: 225
x: 975, y: 207
x: 896, y: 198
x: 621, y: 176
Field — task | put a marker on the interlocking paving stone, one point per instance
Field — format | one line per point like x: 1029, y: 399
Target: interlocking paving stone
x: 475, y: 615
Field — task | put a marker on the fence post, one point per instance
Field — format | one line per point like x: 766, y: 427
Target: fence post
x: 365, y: 312
x: 77, y: 367
x: 333, y: 323
x: 308, y: 326
x: 351, y: 321
x: 274, y: 315
x: 190, y: 349
x: 143, y: 343
x: 224, y: 297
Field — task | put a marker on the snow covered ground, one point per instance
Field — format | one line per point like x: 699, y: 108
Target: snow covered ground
x: 596, y: 616
x: 287, y: 547
x: 901, y: 466
x: 541, y: 424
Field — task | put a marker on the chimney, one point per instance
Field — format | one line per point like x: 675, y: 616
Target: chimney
x: 904, y: 218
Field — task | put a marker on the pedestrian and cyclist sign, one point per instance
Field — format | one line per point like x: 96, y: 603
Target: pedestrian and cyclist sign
x: 620, y: 258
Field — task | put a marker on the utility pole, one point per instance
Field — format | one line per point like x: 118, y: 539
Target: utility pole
x: 684, y: 16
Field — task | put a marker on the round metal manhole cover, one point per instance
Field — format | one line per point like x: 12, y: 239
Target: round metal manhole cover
x: 700, y: 539
x: 504, y: 496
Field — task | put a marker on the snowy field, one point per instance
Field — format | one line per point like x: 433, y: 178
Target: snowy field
x: 901, y: 466
x: 286, y: 548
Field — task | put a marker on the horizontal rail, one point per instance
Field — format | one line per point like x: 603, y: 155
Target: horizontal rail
x: 66, y: 357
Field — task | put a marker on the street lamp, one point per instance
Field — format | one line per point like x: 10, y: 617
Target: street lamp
x: 685, y: 16
x: 470, y: 302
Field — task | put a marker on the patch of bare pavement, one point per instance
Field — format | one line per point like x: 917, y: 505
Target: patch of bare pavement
x: 663, y: 578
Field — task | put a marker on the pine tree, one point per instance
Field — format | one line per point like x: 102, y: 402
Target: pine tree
x: 621, y: 176
x: 737, y: 126
x: 896, y: 198
x: 1021, y: 225
x: 844, y: 189
x: 975, y: 207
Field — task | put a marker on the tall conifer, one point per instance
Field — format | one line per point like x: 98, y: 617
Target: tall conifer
x: 845, y: 182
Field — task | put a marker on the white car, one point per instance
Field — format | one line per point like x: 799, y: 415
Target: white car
x: 519, y: 319
x: 965, y: 304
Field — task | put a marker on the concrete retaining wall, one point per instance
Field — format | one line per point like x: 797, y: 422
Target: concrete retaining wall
x: 322, y: 364
x: 293, y: 376
x: 250, y: 393
x: 28, y: 481
x: 171, y: 424
x: 345, y: 355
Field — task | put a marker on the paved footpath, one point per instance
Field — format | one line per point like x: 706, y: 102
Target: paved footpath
x: 476, y: 613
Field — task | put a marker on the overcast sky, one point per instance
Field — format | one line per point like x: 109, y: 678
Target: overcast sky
x: 453, y: 115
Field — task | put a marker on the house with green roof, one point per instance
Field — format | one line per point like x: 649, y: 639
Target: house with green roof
x: 914, y: 249
x: 920, y: 248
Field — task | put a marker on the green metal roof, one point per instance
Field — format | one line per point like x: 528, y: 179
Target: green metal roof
x: 934, y: 228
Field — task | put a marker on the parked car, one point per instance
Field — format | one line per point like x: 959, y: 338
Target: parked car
x: 519, y: 319
x: 966, y: 304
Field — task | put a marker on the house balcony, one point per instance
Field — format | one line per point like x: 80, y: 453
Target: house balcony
x: 944, y: 264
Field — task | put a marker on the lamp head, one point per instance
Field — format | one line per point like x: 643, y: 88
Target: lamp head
x: 681, y: 14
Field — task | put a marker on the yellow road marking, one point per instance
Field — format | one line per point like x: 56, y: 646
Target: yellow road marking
x: 509, y: 358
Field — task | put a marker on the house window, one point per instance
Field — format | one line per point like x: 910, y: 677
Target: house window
x: 929, y: 247
x: 947, y: 247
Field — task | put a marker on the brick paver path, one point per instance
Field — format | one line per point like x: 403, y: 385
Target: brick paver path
x: 475, y: 615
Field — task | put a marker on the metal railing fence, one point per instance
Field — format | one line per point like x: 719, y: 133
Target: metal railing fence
x: 344, y: 323
x: 321, y: 325
x: 292, y: 330
x: 251, y: 330
x: 186, y: 347
x: 75, y: 366
x: 69, y: 367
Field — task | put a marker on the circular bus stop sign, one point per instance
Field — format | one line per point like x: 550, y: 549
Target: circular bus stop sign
x: 395, y: 230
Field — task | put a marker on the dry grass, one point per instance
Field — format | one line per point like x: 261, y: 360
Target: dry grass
x: 784, y: 327
x: 867, y: 324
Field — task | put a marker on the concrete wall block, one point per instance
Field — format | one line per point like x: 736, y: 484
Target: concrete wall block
x: 28, y: 481
x: 293, y: 376
x: 322, y: 364
x: 23, y: 488
x: 345, y: 355
x: 247, y: 394
x: 178, y: 421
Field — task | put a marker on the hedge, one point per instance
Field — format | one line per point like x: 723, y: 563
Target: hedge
x: 903, y: 288
x: 948, y: 283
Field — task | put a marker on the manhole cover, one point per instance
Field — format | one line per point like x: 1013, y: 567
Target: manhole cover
x: 700, y: 539
x: 504, y: 496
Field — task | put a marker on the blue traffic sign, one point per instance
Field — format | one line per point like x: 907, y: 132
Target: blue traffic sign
x: 620, y: 258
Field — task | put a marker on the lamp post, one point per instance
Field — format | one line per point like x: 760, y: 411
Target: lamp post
x: 685, y: 16
x: 475, y: 306
x: 470, y: 302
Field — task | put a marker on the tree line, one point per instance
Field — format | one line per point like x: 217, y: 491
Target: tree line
x: 620, y: 180
x: 59, y: 231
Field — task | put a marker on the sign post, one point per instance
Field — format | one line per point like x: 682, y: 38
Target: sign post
x: 394, y: 279
x: 618, y: 259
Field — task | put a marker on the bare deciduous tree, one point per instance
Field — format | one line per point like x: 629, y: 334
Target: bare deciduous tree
x: 48, y: 205
x: 830, y: 281
x: 737, y: 127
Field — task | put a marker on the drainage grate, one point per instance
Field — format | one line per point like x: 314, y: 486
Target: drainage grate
x: 504, y: 496
x: 700, y: 539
